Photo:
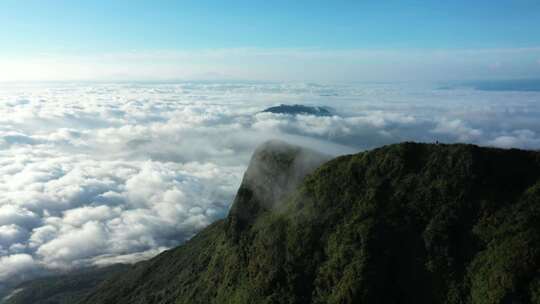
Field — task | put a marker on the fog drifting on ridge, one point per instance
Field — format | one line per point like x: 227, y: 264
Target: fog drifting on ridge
x: 94, y: 174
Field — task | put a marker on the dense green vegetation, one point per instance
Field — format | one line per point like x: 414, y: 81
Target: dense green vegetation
x: 406, y: 223
x: 61, y: 289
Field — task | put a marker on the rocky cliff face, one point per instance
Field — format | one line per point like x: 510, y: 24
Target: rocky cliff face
x: 406, y: 223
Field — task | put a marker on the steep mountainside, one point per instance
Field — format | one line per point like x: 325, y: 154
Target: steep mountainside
x: 407, y: 223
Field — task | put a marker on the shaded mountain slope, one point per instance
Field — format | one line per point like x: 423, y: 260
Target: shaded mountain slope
x: 406, y: 223
x: 60, y: 289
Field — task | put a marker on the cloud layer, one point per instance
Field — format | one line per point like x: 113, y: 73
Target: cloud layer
x: 94, y: 174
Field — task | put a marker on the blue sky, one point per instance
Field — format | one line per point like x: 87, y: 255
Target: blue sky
x: 70, y: 31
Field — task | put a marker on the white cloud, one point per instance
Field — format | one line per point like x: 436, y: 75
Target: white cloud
x: 16, y: 265
x: 458, y: 129
x: 11, y: 234
x: 74, y: 245
x: 95, y: 174
x: 12, y: 214
x: 79, y: 216
x: 516, y: 139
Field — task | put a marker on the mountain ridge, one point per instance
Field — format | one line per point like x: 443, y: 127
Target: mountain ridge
x: 404, y: 223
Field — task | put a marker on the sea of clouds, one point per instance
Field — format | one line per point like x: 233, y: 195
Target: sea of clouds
x: 96, y: 174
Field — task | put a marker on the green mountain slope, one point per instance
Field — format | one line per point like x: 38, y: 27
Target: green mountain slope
x: 60, y: 289
x: 407, y: 223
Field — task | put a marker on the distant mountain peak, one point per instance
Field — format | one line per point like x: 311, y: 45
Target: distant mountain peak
x: 297, y: 109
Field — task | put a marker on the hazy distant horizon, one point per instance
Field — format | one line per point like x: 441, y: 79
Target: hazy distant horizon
x: 282, y: 65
